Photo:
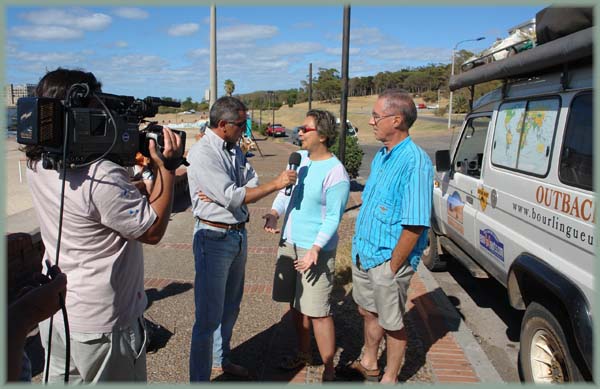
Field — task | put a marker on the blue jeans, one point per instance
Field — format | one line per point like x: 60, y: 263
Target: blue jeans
x: 218, y: 360
x: 220, y: 259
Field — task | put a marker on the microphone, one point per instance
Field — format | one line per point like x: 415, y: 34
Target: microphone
x: 294, y: 162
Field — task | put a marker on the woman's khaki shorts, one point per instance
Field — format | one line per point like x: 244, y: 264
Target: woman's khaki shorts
x: 380, y: 291
x: 308, y: 292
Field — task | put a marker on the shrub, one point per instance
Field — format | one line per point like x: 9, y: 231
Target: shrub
x: 429, y: 96
x: 261, y: 129
x: 354, y: 155
x: 441, y: 111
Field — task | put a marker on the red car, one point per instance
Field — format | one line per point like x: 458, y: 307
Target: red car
x: 276, y: 130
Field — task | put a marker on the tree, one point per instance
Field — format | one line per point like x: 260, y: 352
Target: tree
x: 187, y: 104
x: 292, y: 97
x: 229, y: 87
x: 328, y: 85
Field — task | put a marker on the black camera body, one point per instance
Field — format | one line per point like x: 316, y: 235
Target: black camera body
x: 110, y: 130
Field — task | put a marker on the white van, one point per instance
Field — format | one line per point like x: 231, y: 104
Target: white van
x: 514, y: 198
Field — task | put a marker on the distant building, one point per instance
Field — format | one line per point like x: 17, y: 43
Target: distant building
x: 14, y: 92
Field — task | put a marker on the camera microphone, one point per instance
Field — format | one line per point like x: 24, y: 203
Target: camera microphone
x: 294, y: 162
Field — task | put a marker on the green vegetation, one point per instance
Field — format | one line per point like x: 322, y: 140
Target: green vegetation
x: 261, y: 129
x: 354, y: 155
x: 186, y: 105
x: 229, y: 87
x: 424, y: 81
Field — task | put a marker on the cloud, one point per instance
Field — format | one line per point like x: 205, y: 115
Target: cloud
x: 338, y: 50
x: 45, y: 33
x: 303, y: 26
x: 131, y: 13
x: 246, y: 32
x: 403, y: 53
x: 291, y: 49
x: 365, y: 36
x: 73, y: 19
x: 138, y: 64
x: 183, y: 29
x: 45, y: 58
x: 196, y: 53
x: 121, y: 44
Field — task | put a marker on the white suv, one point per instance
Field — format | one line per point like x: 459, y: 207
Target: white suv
x: 514, y: 198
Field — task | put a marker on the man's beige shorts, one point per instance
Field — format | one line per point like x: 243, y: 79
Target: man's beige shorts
x: 382, y: 292
x: 309, y: 292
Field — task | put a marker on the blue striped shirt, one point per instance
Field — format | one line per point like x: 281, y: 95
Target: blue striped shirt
x: 397, y: 193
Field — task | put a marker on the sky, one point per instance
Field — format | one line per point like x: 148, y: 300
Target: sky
x: 164, y: 50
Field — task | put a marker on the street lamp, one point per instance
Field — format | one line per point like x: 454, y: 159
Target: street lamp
x: 452, y: 74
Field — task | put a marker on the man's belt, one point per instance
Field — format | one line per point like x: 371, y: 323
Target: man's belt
x: 236, y: 227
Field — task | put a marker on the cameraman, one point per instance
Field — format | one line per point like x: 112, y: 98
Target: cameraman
x: 105, y: 221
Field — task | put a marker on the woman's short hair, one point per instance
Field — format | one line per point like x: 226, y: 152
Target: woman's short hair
x: 326, y: 125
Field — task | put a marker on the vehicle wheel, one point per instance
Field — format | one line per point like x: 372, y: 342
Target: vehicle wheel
x: 431, y: 257
x: 544, y: 355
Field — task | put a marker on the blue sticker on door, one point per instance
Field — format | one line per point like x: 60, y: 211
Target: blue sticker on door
x: 490, y: 242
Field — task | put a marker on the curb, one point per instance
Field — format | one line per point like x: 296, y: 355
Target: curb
x: 484, y: 369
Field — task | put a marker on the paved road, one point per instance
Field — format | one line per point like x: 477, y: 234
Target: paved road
x: 481, y: 302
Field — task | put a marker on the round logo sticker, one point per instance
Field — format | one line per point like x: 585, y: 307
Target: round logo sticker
x: 125, y: 137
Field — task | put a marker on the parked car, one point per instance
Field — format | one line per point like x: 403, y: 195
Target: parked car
x: 275, y: 130
x: 295, y: 138
x: 351, y: 130
x: 514, y: 198
x: 421, y: 106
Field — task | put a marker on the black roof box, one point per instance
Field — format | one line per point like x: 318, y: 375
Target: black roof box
x: 555, y: 22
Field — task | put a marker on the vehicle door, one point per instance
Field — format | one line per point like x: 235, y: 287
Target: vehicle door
x: 536, y: 189
x: 460, y: 200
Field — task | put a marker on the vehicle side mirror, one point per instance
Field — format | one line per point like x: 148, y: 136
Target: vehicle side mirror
x: 442, y: 160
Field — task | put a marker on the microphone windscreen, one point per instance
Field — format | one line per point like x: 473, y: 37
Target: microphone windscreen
x: 295, y: 159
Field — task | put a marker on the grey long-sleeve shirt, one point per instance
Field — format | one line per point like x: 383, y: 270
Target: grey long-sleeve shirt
x: 223, y: 174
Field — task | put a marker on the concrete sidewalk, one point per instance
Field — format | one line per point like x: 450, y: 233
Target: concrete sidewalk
x: 440, y: 348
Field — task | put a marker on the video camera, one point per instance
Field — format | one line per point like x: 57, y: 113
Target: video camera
x: 90, y: 126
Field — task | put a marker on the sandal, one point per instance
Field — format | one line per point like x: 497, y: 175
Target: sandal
x: 368, y: 374
x: 298, y: 361
x: 329, y: 378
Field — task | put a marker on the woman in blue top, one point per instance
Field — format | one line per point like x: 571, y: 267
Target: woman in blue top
x: 305, y: 267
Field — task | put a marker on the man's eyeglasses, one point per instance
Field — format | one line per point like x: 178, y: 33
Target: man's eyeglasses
x: 238, y: 124
x: 305, y: 129
x: 377, y: 118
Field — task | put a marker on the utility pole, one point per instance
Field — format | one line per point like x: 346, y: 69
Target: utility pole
x: 310, y: 86
x: 273, y: 108
x: 213, y: 56
x: 344, y: 99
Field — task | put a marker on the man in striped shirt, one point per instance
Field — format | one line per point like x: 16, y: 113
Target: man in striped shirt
x: 391, y: 232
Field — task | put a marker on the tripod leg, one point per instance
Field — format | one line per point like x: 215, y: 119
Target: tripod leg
x: 256, y: 143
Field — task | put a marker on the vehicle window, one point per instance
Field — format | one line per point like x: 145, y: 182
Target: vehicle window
x: 523, y: 135
x: 469, y: 155
x: 576, y: 155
